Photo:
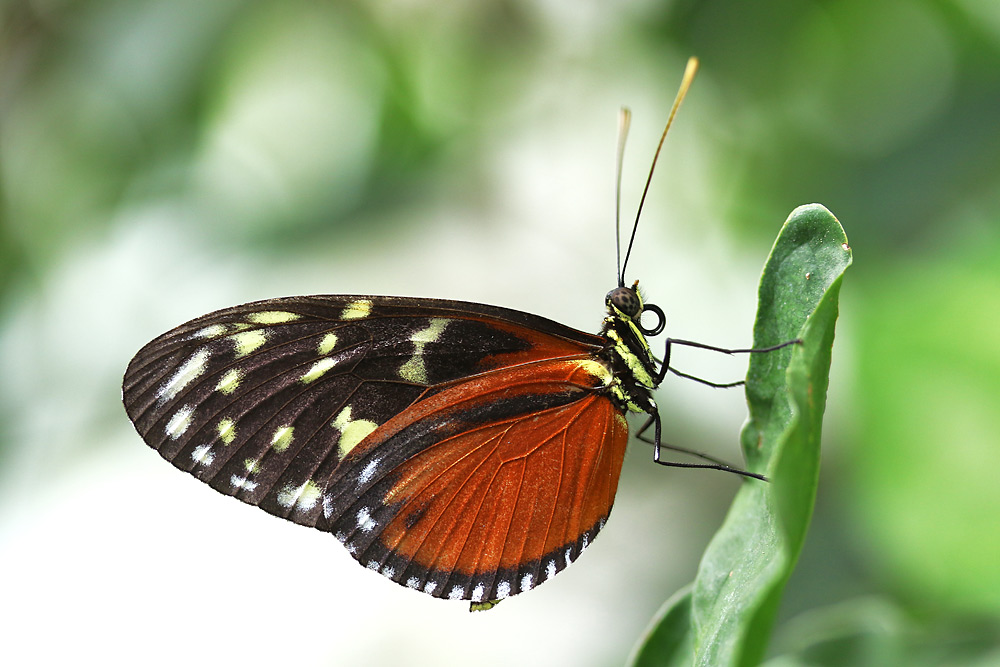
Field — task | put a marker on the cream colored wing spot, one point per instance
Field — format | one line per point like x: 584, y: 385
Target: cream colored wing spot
x: 302, y: 497
x: 252, y: 467
x: 352, y: 431
x: 246, y: 342
x: 365, y: 521
x: 357, y: 310
x: 433, y: 331
x: 317, y: 370
x: 366, y: 475
x: 211, y: 331
x: 180, y: 422
x: 272, y: 317
x: 342, y: 419
x: 282, y: 438
x: 203, y: 455
x: 414, y: 369
x: 244, y: 482
x: 187, y: 373
x: 327, y: 344
x: 226, y: 428
x: 229, y: 382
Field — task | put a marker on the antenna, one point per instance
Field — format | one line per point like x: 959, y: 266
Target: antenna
x: 689, y: 72
x: 624, y: 120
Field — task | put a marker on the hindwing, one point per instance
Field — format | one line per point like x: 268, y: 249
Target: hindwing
x: 487, y: 488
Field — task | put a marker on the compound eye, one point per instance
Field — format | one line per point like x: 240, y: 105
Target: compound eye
x: 626, y: 300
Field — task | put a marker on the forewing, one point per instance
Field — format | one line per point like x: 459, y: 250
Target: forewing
x: 487, y: 488
x: 262, y: 400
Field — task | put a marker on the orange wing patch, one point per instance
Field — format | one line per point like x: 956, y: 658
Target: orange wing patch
x: 509, y: 493
x: 489, y: 486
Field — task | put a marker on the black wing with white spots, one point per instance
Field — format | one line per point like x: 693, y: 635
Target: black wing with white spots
x: 263, y: 400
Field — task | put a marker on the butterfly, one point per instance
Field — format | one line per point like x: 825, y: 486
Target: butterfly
x: 464, y: 450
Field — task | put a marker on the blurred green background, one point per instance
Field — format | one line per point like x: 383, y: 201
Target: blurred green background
x: 162, y: 159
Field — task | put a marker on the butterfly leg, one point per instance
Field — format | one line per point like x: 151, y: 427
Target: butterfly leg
x: 714, y: 463
x: 640, y: 435
x: 665, y: 367
x: 642, y: 429
x: 714, y: 385
x: 772, y: 348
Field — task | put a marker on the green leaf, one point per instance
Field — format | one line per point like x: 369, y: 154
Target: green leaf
x: 667, y: 641
x: 727, y: 618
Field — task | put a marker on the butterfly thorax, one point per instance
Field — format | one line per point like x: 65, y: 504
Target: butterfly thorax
x: 628, y: 354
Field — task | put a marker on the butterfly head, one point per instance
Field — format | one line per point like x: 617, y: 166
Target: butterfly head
x: 626, y: 303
